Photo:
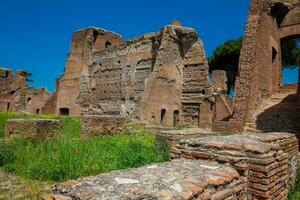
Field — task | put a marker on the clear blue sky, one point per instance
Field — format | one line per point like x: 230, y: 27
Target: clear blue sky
x: 35, y: 34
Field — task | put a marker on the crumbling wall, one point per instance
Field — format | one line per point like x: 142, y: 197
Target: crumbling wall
x: 260, y: 160
x: 32, y: 129
x: 260, y: 63
x: 114, y: 83
x: 83, y: 44
x: 36, y: 99
x: 148, y: 77
x: 12, y: 90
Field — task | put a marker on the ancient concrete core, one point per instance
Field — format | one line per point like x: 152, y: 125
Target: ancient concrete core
x: 158, y: 78
x: 32, y: 129
x: 269, y: 22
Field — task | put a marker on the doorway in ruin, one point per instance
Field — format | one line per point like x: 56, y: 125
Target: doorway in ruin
x: 290, y: 47
x: 38, y: 111
x: 64, y: 111
x: 8, y: 107
x: 162, y: 115
x: 176, y: 118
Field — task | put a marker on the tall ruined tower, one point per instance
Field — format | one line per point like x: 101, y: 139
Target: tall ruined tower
x: 83, y: 44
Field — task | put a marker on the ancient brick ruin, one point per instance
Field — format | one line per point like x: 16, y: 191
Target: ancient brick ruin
x: 84, y: 43
x: 162, y: 80
x: 158, y: 78
x: 16, y: 97
x: 269, y: 22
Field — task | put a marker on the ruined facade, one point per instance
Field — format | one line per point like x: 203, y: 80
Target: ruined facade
x: 36, y: 99
x: 12, y: 90
x: 269, y: 22
x: 83, y: 44
x: 158, y: 78
x: 16, y: 97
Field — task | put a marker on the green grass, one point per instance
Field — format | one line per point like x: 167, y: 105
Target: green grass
x: 295, y: 193
x: 70, y: 156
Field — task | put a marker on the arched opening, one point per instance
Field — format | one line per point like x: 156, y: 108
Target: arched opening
x: 176, y: 118
x: 8, y: 107
x: 162, y: 115
x: 64, y: 111
x: 107, y: 44
x: 95, y: 34
x: 37, y: 111
x: 29, y: 100
x: 290, y: 47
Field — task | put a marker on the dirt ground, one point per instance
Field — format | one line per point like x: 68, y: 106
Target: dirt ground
x: 15, y: 188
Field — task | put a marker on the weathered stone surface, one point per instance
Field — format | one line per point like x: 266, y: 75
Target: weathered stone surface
x: 96, y: 125
x: 178, y: 180
x: 33, y: 129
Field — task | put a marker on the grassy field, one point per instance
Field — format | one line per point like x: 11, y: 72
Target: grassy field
x: 70, y: 156
x: 28, y: 169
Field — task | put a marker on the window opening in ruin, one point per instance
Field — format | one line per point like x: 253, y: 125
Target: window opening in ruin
x: 176, y: 118
x: 95, y: 34
x: 274, y: 55
x: 107, y: 44
x: 8, y: 107
x: 29, y: 100
x: 4, y: 74
x: 290, y: 53
x: 64, y: 111
x: 37, y: 111
x: 162, y: 115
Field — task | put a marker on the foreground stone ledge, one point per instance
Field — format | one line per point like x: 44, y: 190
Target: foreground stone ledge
x: 178, y: 179
x: 264, y: 164
x: 33, y: 129
x: 97, y: 125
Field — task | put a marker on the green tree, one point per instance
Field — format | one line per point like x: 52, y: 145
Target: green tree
x: 226, y: 57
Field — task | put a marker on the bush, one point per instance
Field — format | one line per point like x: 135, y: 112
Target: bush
x: 70, y: 156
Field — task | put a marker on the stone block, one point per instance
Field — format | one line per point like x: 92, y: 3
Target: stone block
x: 177, y: 179
x: 97, y: 125
x: 167, y: 139
x: 263, y: 164
x: 33, y: 129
